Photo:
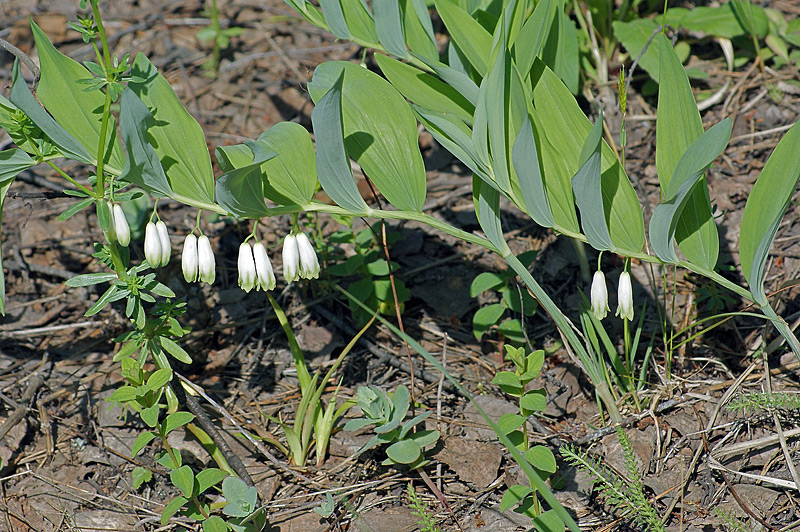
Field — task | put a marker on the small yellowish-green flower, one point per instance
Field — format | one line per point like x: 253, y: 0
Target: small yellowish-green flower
x: 599, y: 296
x: 625, y: 297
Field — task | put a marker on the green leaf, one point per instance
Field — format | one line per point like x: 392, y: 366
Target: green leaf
x: 418, y: 27
x: 150, y: 415
x: 183, y: 479
x: 724, y: 21
x: 78, y: 110
x: 215, y: 524
x: 456, y: 137
x: 765, y: 208
x: 142, y: 167
x: 533, y: 35
x: 209, y: 477
x: 455, y: 78
x: 176, y: 136
x: 485, y: 281
x: 110, y: 295
x: 159, y: 378
x: 525, y: 158
x: 587, y: 186
x: 334, y: 17
x: 548, y: 521
x: 425, y: 437
x: 360, y: 21
x: 240, y: 192
x: 513, y: 496
x: 472, y: 39
x: 383, y: 139
x: 140, y: 476
x: 242, y: 500
x: 175, y: 350
x: 293, y: 172
x: 508, y: 423
x: 688, y: 176
x: 12, y: 163
x: 333, y: 165
x: 541, y: 458
x: 534, y: 401
x: 21, y: 96
x: 232, y: 157
x: 175, y: 420
x: 488, y: 200
x: 74, y: 208
x: 485, y: 317
x: 425, y: 89
x: 677, y: 127
x: 141, y: 442
x: 389, y: 27
x: 508, y: 382
x: 89, y: 279
x: 172, y: 508
x: 404, y: 451
x: 520, y: 300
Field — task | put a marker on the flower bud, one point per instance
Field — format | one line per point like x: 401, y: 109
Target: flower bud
x: 309, y: 267
x: 189, y: 260
x: 152, y: 245
x: 265, y: 276
x: 111, y: 233
x: 291, y: 258
x: 121, y: 226
x: 166, y: 245
x: 599, y: 296
x: 247, y: 267
x: 625, y: 297
x: 205, y: 257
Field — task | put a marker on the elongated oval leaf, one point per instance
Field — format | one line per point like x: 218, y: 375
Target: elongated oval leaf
x: 765, y: 208
x: 389, y: 27
x: 525, y: 157
x: 293, y: 172
x: 142, y: 166
x: 176, y: 137
x: 587, y: 186
x: 383, y: 138
x: 472, y: 39
x: 334, y: 17
x: 455, y: 77
x: 488, y: 200
x: 78, y: 110
x: 333, y: 166
x: 533, y: 34
x: 677, y: 127
x: 424, y: 89
x: 687, y: 177
x: 359, y: 20
x: 419, y: 29
x: 240, y: 192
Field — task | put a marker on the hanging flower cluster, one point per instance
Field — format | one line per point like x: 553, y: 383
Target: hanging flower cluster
x: 255, y: 269
x: 157, y: 247
x: 198, y: 260
x: 299, y: 261
x: 118, y: 229
x: 599, y: 296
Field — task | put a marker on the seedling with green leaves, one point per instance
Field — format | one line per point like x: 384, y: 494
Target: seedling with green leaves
x: 386, y: 414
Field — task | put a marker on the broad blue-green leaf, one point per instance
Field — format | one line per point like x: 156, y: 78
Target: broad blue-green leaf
x: 424, y: 89
x: 419, y: 29
x: 489, y: 215
x: 21, y: 96
x: 334, y: 17
x: 309, y: 11
x: 454, y: 77
x: 389, y: 27
x: 12, y: 162
x: 232, y: 157
x: 525, y: 157
x: 142, y: 166
x: 557, y: 112
x: 765, y: 208
x: 333, y: 166
x: 472, y: 39
x: 634, y: 35
x: 533, y: 34
x: 404, y: 451
x: 677, y: 127
x: 687, y: 176
x: 560, y: 50
x: 383, y: 138
x: 78, y: 110
x: 587, y: 186
x: 242, y: 499
x: 177, y: 137
x: 359, y: 21
x: 293, y: 172
x: 240, y: 192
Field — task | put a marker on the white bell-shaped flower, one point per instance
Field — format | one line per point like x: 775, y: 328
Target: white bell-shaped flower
x: 152, y: 245
x: 207, y: 267
x: 291, y: 258
x: 247, y: 267
x: 625, y: 297
x: 599, y: 296
x: 309, y: 266
x: 189, y: 260
x: 166, y: 245
x: 121, y: 226
x: 265, y: 276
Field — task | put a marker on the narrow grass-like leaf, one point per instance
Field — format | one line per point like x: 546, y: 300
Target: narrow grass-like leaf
x: 333, y: 165
x: 78, y: 110
x: 533, y: 34
x: 455, y: 77
x: 176, y: 137
x: 334, y: 17
x: 677, y: 127
x: 525, y: 157
x: 424, y: 89
x: 383, y: 138
x: 587, y: 187
x: 688, y: 176
x: 142, y: 166
x: 765, y: 208
x: 309, y: 11
x: 293, y: 172
x: 21, y: 96
x: 359, y: 21
x: 389, y: 27
x: 419, y: 29
x: 472, y: 39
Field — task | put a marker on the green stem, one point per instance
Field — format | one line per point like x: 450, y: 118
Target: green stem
x: 783, y: 328
x: 69, y: 178
x: 100, y: 185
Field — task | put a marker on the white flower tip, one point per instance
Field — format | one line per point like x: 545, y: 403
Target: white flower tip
x: 309, y: 266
